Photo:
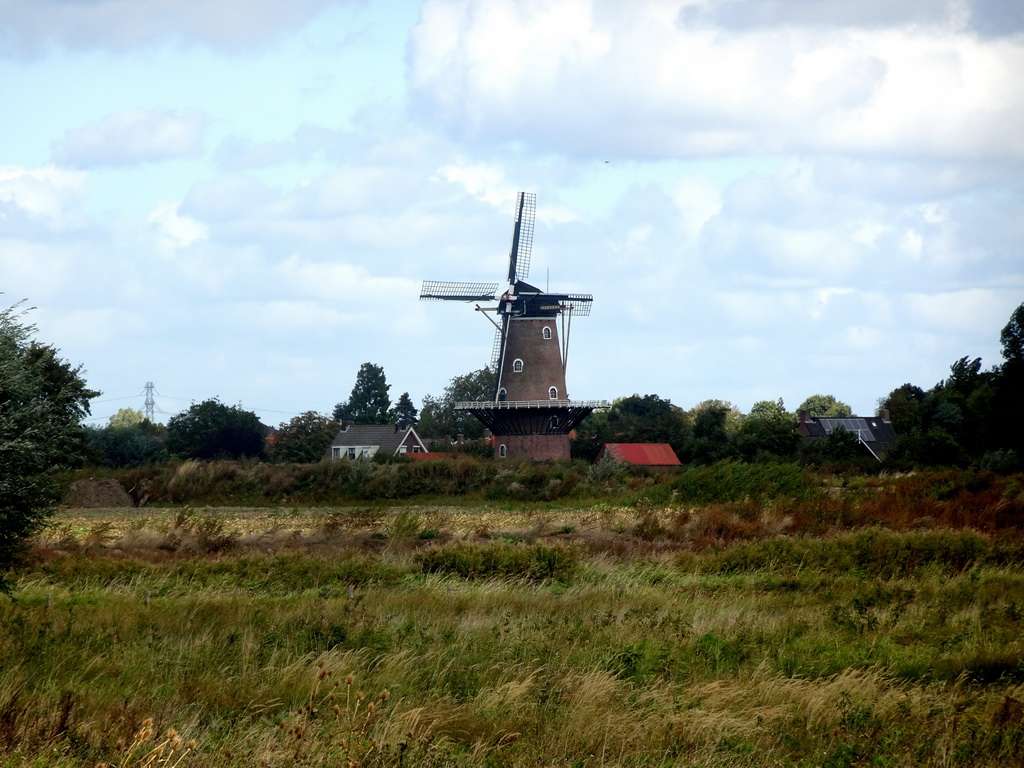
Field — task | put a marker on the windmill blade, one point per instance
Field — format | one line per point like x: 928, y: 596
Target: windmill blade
x: 580, y: 303
x: 522, y: 237
x: 437, y: 290
x: 498, y: 354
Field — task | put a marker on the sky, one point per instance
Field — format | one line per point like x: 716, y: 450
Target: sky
x: 767, y: 198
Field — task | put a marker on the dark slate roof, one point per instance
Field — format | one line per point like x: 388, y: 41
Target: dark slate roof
x: 386, y: 436
x: 875, y: 432
x: 648, y: 454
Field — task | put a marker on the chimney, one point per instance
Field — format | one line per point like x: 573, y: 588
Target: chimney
x: 884, y: 414
x: 805, y: 416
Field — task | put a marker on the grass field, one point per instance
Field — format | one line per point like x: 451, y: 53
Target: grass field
x: 511, y: 635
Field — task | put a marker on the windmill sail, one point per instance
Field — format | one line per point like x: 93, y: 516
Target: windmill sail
x: 522, y: 237
x: 439, y: 290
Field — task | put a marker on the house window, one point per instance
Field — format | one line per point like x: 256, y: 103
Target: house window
x: 402, y: 449
x: 335, y: 452
x: 546, y: 333
x: 553, y: 393
x: 351, y: 453
x: 417, y: 449
x: 517, y: 366
x: 502, y: 451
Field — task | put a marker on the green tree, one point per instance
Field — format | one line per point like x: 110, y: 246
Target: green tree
x: 825, y: 406
x: 369, y: 402
x: 438, y: 417
x: 768, y: 431
x: 42, y: 402
x: 212, y: 430
x: 126, y: 417
x: 904, y: 407
x: 633, y: 419
x: 404, y: 410
x: 133, y: 445
x: 712, y: 436
x: 1008, y: 404
x: 733, y: 415
x: 304, y: 439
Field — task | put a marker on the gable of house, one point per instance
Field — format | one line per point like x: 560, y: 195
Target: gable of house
x: 363, y: 441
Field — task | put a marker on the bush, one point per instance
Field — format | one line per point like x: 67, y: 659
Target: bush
x: 534, y: 562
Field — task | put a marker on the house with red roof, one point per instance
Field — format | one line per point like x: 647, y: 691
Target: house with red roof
x: 654, y: 455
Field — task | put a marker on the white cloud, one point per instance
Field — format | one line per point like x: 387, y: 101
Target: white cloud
x: 174, y: 231
x: 133, y: 136
x: 584, y: 78
x: 43, y: 192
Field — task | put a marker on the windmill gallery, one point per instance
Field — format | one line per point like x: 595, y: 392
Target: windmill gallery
x: 530, y: 414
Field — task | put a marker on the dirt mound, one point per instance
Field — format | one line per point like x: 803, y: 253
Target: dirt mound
x: 97, y: 492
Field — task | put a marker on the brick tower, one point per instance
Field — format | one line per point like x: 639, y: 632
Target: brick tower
x: 531, y: 415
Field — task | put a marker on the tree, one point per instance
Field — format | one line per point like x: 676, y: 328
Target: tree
x: 212, y: 430
x: 404, y: 410
x: 633, y: 419
x: 304, y: 439
x: 768, y: 430
x: 712, y: 438
x: 127, y: 417
x: 438, y: 417
x: 1008, y: 405
x: 369, y: 402
x: 42, y: 401
x: 1011, y: 338
x: 904, y: 406
x: 134, y: 445
x: 825, y: 406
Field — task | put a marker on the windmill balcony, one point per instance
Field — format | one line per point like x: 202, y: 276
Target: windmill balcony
x: 469, y: 405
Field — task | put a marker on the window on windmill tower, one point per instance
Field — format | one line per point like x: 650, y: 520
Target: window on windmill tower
x: 546, y: 333
x: 553, y: 393
x: 502, y: 451
x: 554, y: 422
x: 502, y: 394
x: 517, y: 366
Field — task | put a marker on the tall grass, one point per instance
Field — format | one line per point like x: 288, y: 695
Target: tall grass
x: 871, y: 648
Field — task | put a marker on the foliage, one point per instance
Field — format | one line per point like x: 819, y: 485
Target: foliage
x: 128, y: 445
x: 303, y: 439
x: 768, y: 432
x: 126, y: 417
x: 904, y: 406
x: 212, y: 430
x: 825, y: 406
x: 368, y: 402
x: 633, y: 419
x: 866, y: 647
x: 712, y: 439
x: 534, y: 562
x: 404, y: 410
x: 42, y: 400
x: 438, y: 417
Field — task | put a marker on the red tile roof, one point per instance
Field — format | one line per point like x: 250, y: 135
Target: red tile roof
x: 650, y: 454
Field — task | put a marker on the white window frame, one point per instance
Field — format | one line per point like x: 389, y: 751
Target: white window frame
x: 517, y: 366
x: 546, y: 333
x: 552, y: 393
x: 502, y: 451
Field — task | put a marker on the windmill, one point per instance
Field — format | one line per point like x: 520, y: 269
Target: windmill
x: 530, y: 414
